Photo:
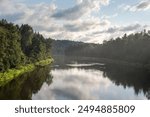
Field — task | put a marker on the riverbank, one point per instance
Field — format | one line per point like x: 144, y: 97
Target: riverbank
x: 13, y: 73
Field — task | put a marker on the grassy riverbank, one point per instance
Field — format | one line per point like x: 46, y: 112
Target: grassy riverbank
x: 13, y: 73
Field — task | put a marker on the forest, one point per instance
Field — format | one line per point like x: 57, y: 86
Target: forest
x: 133, y: 48
x: 20, y: 45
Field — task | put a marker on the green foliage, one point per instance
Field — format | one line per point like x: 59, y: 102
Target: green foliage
x: 38, y: 48
x: 11, y: 54
x: 20, y: 46
x: 24, y: 86
x: 34, y: 45
x: 44, y: 62
x: 26, y: 38
x: 13, y: 73
x: 133, y: 48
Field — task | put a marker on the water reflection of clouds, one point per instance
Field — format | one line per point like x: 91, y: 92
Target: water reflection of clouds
x: 76, y: 83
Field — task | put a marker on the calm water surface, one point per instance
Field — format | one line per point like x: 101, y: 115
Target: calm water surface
x: 79, y: 80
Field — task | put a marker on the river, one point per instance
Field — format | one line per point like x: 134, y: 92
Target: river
x: 71, y: 79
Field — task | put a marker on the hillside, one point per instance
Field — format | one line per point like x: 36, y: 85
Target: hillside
x: 133, y: 48
x: 59, y: 46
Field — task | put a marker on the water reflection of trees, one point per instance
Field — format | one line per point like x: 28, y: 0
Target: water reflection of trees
x: 126, y: 76
x: 24, y: 86
x: 138, y: 78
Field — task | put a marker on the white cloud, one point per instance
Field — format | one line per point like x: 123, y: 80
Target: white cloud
x: 79, y: 1
x: 125, y: 28
x: 141, y: 6
x: 114, y: 31
x: 9, y: 7
x: 109, y: 16
x: 40, y: 17
x: 86, y: 25
x: 77, y: 23
x: 82, y: 8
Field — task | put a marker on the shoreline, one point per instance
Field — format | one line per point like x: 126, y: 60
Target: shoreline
x: 15, y: 72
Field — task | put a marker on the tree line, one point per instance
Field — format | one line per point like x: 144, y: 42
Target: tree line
x: 20, y: 45
x: 134, y: 48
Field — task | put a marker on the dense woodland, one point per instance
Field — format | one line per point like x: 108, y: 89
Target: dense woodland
x: 20, y: 45
x: 133, y: 48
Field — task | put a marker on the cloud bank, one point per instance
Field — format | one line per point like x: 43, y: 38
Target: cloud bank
x: 79, y: 23
x: 141, y: 6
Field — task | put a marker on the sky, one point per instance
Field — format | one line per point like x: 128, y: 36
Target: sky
x: 91, y: 21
